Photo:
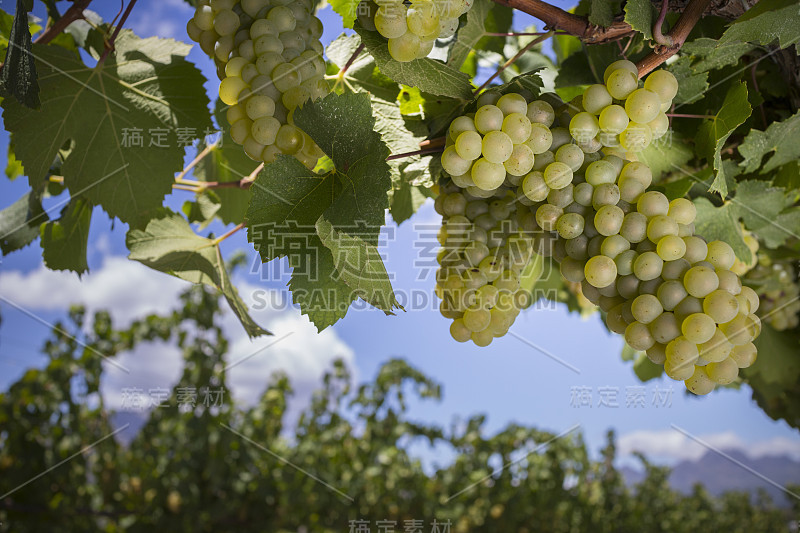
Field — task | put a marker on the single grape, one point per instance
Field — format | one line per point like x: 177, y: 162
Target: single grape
x: 634, y: 227
x: 488, y: 118
x: 570, y: 225
x: 659, y: 125
x: 670, y: 248
x: 681, y: 351
x: 230, y: 89
x: 608, y: 220
x: 648, y: 266
x: 636, y: 137
x: 751, y: 296
x: 620, y: 64
x: 679, y: 371
x: 698, y: 328
x: 561, y: 136
x: 744, y: 355
x: 715, y: 349
x: 517, y: 127
x: 476, y: 319
x: 699, y: 383
x: 547, y: 215
x: 613, y: 119
x: 700, y: 281
x: 422, y: 18
x: 660, y: 226
x: 460, y: 125
x: 459, y: 331
x: 534, y: 187
x: 512, y: 103
x: 613, y: 245
x: 595, y: 99
x: 560, y: 197
x: 605, y: 194
x: 405, y: 47
x: 570, y: 154
x: 664, y: 327
x: 541, y: 112
x: 739, y: 331
x: 638, y: 336
x: 646, y: 308
x: 486, y: 175
x: 483, y: 338
x: 696, y: 249
x: 730, y: 282
x: 497, y: 147
x: 520, y: 162
x: 454, y: 164
x: 600, y: 271
x: 724, y: 372
x: 540, y: 139
x: 642, y: 106
x: 557, y: 175
x: 657, y: 353
x: 468, y: 145
x: 624, y: 261
x: 721, y: 306
x: 663, y: 83
x: 583, y: 126
x: 621, y: 83
x: 720, y: 254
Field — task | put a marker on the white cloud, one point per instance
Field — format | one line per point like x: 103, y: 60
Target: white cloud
x: 130, y: 290
x: 672, y: 444
x: 164, y: 19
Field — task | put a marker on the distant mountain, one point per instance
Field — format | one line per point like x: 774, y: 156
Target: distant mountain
x: 719, y: 474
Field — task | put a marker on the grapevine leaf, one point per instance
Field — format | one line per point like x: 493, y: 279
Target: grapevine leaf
x: 645, y: 369
x: 348, y: 9
x: 360, y: 266
x: 18, y: 76
x: 601, y: 13
x: 64, y: 241
x: 678, y: 188
x: 203, y: 209
x: 766, y: 210
x: 639, y: 14
x: 715, y: 132
x: 148, y: 79
x: 470, y: 33
x: 777, y: 355
x: 710, y: 54
x: 429, y: 75
x: 721, y: 223
x: 665, y: 154
x: 692, y: 85
x: 405, y: 201
x: 766, y: 22
x: 13, y: 165
x: 19, y: 222
x: 168, y: 244
x: 498, y: 20
x: 343, y: 127
x: 779, y: 137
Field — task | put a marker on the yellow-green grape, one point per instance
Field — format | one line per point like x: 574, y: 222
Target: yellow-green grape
x: 476, y: 319
x: 468, y: 145
x: 671, y: 293
x: 720, y: 254
x: 253, y: 148
x: 235, y: 113
x: 520, y: 162
x: 265, y: 130
x: 454, y: 164
x: 540, y: 139
x: 390, y: 20
x: 613, y: 245
x: 600, y: 172
x: 570, y: 225
x: 230, y: 89
x: 204, y: 18
x: 605, y: 194
x: 517, y: 127
x: 721, y: 306
x: 744, y: 355
x: 659, y: 125
x: 700, y: 281
x: 561, y: 136
x: 663, y: 83
x: 696, y: 248
x: 491, y: 267
x: 285, y: 76
x: 233, y: 68
x: 289, y: 139
x: 699, y: 383
x: 608, y: 220
x: 624, y: 262
x: 460, y: 125
x: 634, y: 226
x: 583, y: 126
x: 648, y: 266
x: 637, y: 171
x: 557, y: 175
x: 614, y: 319
x: 698, y: 328
x: 541, y: 112
x: 595, y: 99
x: 678, y: 371
x: 715, y: 349
x: 534, y: 187
x: 600, y: 271
x: 646, y: 308
x: 652, y: 203
x: 422, y: 18
x: 657, y: 353
x: 682, y: 210
x: 636, y: 137
x: 739, y: 331
x: 405, y: 47
x: 638, y: 336
x: 724, y: 372
x: 512, y: 103
x: 670, y: 248
x: 571, y: 155
x: 459, y: 331
x: 547, y: 215
x: 613, y: 119
x: 497, y: 146
x: 582, y: 194
x: 682, y: 351
x: 621, y: 83
x: 660, y: 226
x: 425, y: 47
x: 623, y: 64
x: 642, y: 106
x: 486, y: 175
x: 488, y: 118
x: 751, y: 295
x: 665, y: 328
x: 240, y: 130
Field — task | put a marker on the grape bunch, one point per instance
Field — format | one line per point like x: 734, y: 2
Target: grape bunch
x: 271, y: 62
x: 777, y: 285
x: 412, y: 27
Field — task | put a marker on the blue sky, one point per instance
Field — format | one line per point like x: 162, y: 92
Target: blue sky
x: 510, y: 380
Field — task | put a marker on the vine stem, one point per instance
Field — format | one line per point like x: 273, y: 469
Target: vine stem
x: 117, y: 28
x: 513, y: 59
x: 688, y: 115
x: 659, y: 37
x: 199, y: 157
x: 75, y: 12
x: 515, y: 34
x: 227, y: 234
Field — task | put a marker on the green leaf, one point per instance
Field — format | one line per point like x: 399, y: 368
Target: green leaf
x: 429, y: 75
x: 766, y: 22
x: 168, y: 244
x: 666, y: 154
x: 676, y: 189
x: 639, y: 14
x: 343, y: 127
x: 360, y: 266
x: 470, y: 33
x: 146, y: 85
x: 405, y: 201
x: 721, y: 223
x: 645, y: 369
x: 19, y: 222
x: 18, y: 76
x: 777, y: 356
x: 498, y: 20
x: 13, y: 165
x: 709, y: 54
x: 780, y: 138
x: 692, y: 85
x: 715, y: 132
x: 348, y: 9
x: 601, y: 13
x: 64, y: 241
x: 767, y: 211
x: 203, y: 209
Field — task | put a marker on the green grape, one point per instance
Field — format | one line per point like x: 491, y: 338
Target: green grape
x: 652, y: 203
x: 627, y: 285
x: 623, y: 64
x: 613, y: 245
x: 576, y: 247
x: 534, y: 186
x: 390, y: 21
x: 405, y: 47
x: 486, y: 296
x: 230, y: 89
x: 638, y: 336
x: 751, y: 295
x: 294, y: 97
x: 595, y: 99
x: 630, y: 190
x: 570, y: 225
x: 454, y: 204
x: 600, y: 271
x: 614, y: 319
x: 664, y: 327
x: 491, y: 267
x: 477, y: 319
x: 482, y: 338
x: 282, y: 19
x: 698, y: 328
x: 721, y: 306
x: 497, y: 147
x: 460, y: 125
x: 700, y: 281
x: 621, y: 83
x: 540, y: 112
x: 660, y: 226
x: 468, y: 145
x: 459, y: 331
x: 744, y: 355
x: 204, y: 18
x: 634, y: 227
x: 608, y: 220
x: 638, y: 171
x: 235, y: 113
x: 561, y: 136
x: 688, y: 306
x: 642, y: 106
x: 699, y: 383
x: 724, y: 372
x: 657, y: 353
x: 571, y: 155
x: 681, y: 351
x: 659, y: 125
x: 520, y: 162
x: 447, y: 27
x: 572, y: 270
x: 292, y: 41
x: 582, y: 193
x: 454, y: 164
x: 422, y: 18
x: 240, y: 130
x: 663, y: 83
x: 540, y: 139
x: 600, y: 172
x: 547, y: 215
x: 262, y: 27
x: 646, y: 308
x: 671, y: 293
x: 267, y: 44
x: 252, y: 148
x: 670, y: 248
x: 512, y: 103
x: 463, y: 181
x: 265, y: 130
x: 716, y: 349
x: 285, y: 76
x: 488, y: 118
x: 679, y: 371
x: 517, y: 127
x: 289, y: 139
x: 583, y: 126
x: 624, y: 261
x: 636, y: 137
x: 560, y: 197
x: 508, y: 281
x: 739, y: 331
x: 696, y: 249
x: 488, y: 97
x: 557, y: 175
x: 486, y: 175
x: 648, y: 266
x: 730, y: 282
x: 605, y: 194
x: 720, y: 254
x: 425, y: 48
x: 682, y: 210
x: 613, y: 119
